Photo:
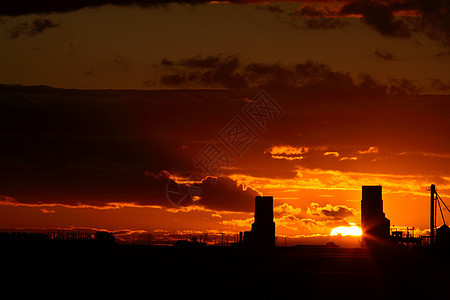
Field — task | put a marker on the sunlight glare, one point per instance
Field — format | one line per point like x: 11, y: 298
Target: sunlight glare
x: 346, y: 230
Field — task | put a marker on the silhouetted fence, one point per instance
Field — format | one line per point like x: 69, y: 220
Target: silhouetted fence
x: 60, y: 235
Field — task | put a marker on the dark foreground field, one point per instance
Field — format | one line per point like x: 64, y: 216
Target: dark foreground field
x: 130, y: 272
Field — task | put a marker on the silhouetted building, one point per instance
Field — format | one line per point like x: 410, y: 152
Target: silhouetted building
x: 443, y: 237
x: 263, y: 229
x: 105, y: 237
x: 375, y: 225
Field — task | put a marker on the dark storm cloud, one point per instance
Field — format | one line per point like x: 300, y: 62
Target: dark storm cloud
x: 26, y: 7
x: 231, y: 71
x: 314, y: 17
x: 436, y: 20
x: 394, y: 18
x: 379, y: 16
x: 309, y: 77
x: 430, y: 17
x: 30, y: 28
x: 210, y: 71
x: 220, y: 194
x: 226, y: 194
x: 433, y: 17
x: 99, y: 147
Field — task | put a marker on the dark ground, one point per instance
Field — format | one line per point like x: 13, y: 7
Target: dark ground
x: 86, y: 270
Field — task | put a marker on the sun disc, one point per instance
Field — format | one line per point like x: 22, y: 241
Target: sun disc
x: 346, y: 230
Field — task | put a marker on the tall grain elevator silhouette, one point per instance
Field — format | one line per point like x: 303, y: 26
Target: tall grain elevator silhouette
x: 263, y: 229
x: 375, y: 226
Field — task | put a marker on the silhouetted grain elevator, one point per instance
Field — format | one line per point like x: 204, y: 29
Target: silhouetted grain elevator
x: 263, y: 229
x: 375, y: 226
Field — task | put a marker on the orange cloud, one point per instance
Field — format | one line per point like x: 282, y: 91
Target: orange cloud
x: 287, y: 157
x: 337, y: 212
x: 306, y: 226
x: 319, y: 179
x: 436, y: 155
x: 286, y: 209
x: 336, y: 154
x: 9, y: 201
x: 287, y: 152
x: 243, y: 223
x: 371, y: 150
x: 348, y: 158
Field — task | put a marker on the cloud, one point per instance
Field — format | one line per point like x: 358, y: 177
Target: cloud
x: 325, y: 23
x: 385, y: 55
x: 403, y: 86
x: 107, y: 160
x: 230, y: 71
x: 30, y: 29
x: 210, y: 71
x: 371, y: 150
x: 243, y: 223
x: 222, y: 194
x: 166, y: 62
x: 25, y: 7
x: 348, y: 158
x: 270, y: 7
x: 317, y: 17
x: 337, y: 212
x: 287, y: 152
x: 434, y: 22
x: 439, y: 85
x: 315, y: 11
x: 443, y: 54
x: 309, y: 78
x: 286, y: 210
x: 287, y: 157
x: 335, y: 154
x: 227, y: 194
x: 436, y: 155
x: 122, y: 61
x: 334, y: 180
x: 307, y: 226
x: 396, y: 18
x: 379, y: 16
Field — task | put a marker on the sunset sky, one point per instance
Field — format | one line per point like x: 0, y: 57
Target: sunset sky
x: 107, y: 108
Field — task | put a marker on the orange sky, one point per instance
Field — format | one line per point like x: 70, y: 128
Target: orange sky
x: 359, y: 92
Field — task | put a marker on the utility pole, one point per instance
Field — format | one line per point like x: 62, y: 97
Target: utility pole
x: 432, y: 194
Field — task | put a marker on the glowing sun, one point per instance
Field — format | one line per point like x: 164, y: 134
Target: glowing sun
x: 347, y: 230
